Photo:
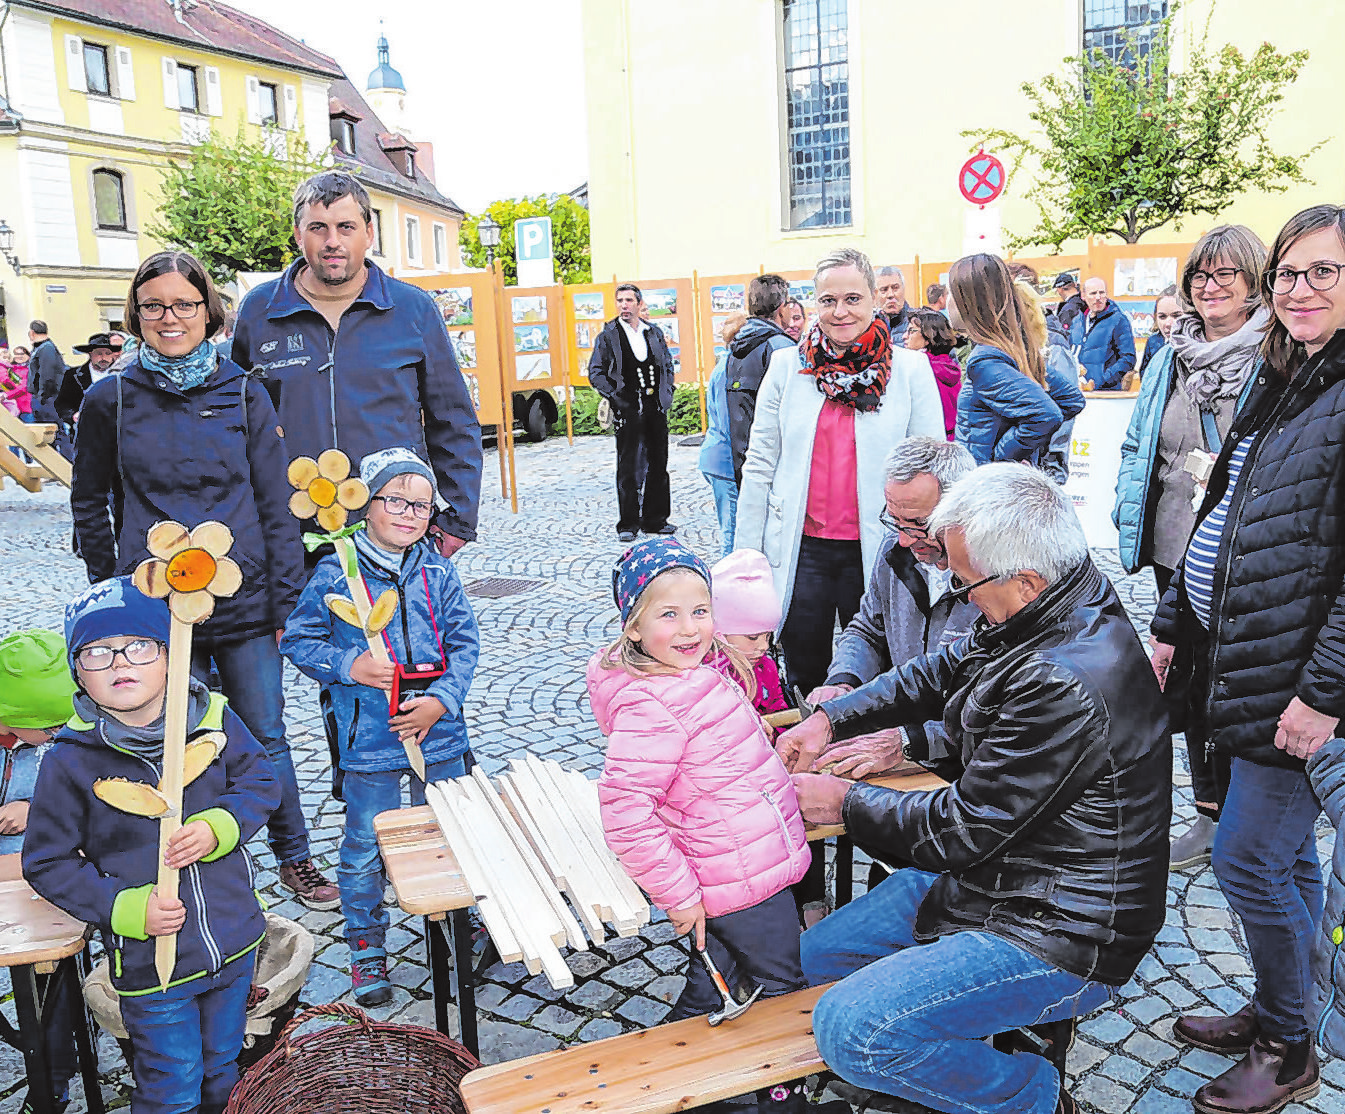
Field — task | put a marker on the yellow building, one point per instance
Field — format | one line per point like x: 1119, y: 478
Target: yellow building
x: 96, y: 97
x: 723, y: 137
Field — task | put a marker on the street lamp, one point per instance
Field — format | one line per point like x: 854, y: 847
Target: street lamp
x: 488, y: 232
x: 7, y: 244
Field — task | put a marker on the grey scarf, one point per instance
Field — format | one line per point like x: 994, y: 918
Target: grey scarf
x: 144, y: 742
x: 1217, y: 368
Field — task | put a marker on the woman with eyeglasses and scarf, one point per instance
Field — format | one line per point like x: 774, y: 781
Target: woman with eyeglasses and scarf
x: 184, y: 435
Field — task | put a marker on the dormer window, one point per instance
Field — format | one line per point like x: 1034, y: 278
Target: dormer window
x: 345, y: 135
x: 410, y: 164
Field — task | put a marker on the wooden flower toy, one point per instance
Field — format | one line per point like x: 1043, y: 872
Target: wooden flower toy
x: 325, y: 489
x: 191, y: 569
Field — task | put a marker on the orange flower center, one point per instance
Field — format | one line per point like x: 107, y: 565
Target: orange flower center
x: 191, y: 570
x: 322, y: 491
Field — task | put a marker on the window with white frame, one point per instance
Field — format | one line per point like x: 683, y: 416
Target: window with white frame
x: 267, y: 103
x: 377, y: 222
x: 188, y: 90
x: 817, y: 112
x: 109, y: 200
x: 440, y: 246
x: 1111, y: 25
x: 97, y: 76
x: 413, y: 239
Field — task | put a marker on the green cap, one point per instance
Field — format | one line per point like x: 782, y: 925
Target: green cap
x: 35, y: 683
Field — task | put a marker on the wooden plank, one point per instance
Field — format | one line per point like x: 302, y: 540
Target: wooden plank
x: 661, y: 1070
x: 580, y: 883
x: 572, y: 932
x: 586, y: 855
x: 47, y: 458
x: 423, y: 871
x: 25, y: 475
x: 788, y: 718
x: 586, y: 796
x: 513, y: 800
x: 170, y: 785
x: 496, y: 925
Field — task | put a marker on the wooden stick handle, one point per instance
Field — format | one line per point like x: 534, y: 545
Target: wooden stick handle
x: 174, y: 750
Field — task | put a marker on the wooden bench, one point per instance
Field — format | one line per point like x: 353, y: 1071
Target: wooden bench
x: 672, y: 1067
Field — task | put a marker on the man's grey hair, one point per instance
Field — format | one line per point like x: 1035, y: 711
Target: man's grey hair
x: 886, y: 272
x: 847, y: 257
x: 946, y: 461
x: 1013, y: 518
x: 328, y: 188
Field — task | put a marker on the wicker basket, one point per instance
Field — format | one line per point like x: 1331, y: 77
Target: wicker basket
x: 359, y: 1066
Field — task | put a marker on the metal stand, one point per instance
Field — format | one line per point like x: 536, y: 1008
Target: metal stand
x: 30, y: 1038
x: 845, y: 870
x: 436, y: 932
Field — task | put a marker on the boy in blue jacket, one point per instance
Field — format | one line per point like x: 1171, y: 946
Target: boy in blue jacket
x: 99, y: 861
x: 433, y: 643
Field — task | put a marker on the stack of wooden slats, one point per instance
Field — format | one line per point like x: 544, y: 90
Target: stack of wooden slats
x: 519, y: 845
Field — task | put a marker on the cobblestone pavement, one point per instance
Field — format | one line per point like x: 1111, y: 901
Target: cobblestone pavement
x: 529, y: 695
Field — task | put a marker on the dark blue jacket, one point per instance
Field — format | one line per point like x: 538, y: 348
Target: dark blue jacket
x: 211, y: 454
x: 387, y: 377
x: 434, y: 618
x: 1107, y: 350
x: 99, y: 863
x: 1003, y: 414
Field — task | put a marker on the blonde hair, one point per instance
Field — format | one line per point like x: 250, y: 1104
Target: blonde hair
x: 1034, y: 316
x: 733, y: 323
x: 627, y: 653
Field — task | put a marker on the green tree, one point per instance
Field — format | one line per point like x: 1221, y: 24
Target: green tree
x: 569, y: 236
x: 229, y: 203
x: 1123, y: 148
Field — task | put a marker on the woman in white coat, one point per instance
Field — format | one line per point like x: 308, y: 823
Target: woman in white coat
x: 828, y: 412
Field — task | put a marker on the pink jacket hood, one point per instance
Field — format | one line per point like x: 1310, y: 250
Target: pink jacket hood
x: 695, y: 802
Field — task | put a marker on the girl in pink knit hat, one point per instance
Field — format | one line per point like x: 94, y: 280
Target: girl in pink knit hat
x: 747, y: 612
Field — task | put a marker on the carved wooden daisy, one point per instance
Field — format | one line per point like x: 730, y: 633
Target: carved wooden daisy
x: 189, y: 568
x: 325, y: 489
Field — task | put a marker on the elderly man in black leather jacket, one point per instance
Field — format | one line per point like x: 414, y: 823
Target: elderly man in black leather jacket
x: 1037, y: 876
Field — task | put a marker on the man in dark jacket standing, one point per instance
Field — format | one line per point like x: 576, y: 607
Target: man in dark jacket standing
x: 749, y: 357
x: 102, y: 355
x: 1107, y: 351
x: 1039, y: 873
x: 46, y: 373
x: 358, y: 361
x: 1072, y: 308
x: 632, y: 369
x: 892, y: 302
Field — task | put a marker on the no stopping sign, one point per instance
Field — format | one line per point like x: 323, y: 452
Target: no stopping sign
x: 981, y: 178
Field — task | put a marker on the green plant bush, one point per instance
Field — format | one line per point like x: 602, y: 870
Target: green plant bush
x: 683, y: 418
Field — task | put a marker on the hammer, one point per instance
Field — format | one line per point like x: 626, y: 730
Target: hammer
x: 732, y: 1007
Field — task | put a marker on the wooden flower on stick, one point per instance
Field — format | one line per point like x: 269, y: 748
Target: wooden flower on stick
x: 191, y: 569
x: 324, y: 489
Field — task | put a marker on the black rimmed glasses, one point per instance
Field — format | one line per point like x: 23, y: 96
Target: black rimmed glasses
x: 183, y: 311
x: 1222, y: 276
x: 142, y: 651
x: 1321, y: 277
x: 917, y: 530
x: 395, y: 504
x: 960, y: 589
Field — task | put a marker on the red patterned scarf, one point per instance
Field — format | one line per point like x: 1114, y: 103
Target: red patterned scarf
x: 856, y: 376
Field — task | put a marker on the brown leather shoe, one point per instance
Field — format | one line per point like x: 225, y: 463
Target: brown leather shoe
x: 1273, y: 1074
x: 1231, y: 1035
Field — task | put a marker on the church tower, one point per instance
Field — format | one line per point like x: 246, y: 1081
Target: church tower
x: 386, y: 92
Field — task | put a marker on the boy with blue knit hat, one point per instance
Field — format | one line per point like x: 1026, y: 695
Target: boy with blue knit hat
x: 35, y: 693
x: 92, y: 847
x: 415, y: 698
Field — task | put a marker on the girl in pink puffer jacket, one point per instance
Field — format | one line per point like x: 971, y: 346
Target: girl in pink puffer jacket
x: 695, y: 803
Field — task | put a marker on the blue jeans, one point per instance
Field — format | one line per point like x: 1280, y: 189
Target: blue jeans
x: 250, y: 677
x: 185, y: 1041
x: 725, y: 494
x: 910, y: 1019
x: 1265, y: 857
x: 361, y: 875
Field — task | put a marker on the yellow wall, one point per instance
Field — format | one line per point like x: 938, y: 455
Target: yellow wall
x: 686, y: 124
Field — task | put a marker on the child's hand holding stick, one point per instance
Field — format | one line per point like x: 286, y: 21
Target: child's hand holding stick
x: 416, y: 716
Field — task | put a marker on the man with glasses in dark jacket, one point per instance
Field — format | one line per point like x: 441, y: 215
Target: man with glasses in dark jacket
x: 1037, y: 877
x: 358, y: 361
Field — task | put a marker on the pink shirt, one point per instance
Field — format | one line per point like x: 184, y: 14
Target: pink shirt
x: 833, y: 482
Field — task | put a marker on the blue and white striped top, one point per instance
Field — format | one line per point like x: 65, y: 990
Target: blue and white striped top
x: 1201, y: 554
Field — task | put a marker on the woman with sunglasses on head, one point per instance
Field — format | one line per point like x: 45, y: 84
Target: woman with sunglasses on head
x: 185, y: 436
x: 1188, y: 398
x: 1253, y: 624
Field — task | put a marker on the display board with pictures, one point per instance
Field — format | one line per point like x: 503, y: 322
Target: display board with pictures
x: 720, y: 297
x: 532, y: 336
x: 588, y: 307
x: 468, y: 312
x: 672, y: 310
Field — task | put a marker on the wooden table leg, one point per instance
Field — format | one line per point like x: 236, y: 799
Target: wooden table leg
x: 31, y: 1039
x: 462, y: 960
x: 437, y: 948
x: 845, y: 870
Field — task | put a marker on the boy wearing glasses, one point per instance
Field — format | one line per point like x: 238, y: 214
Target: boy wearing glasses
x: 99, y: 860
x: 415, y: 697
